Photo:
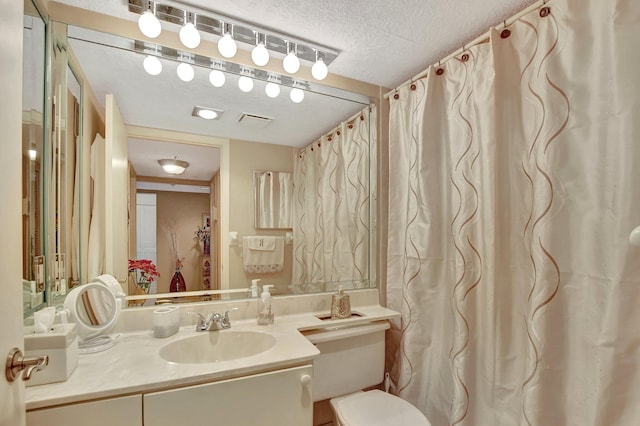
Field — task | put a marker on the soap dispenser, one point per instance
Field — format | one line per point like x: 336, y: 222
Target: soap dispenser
x: 265, y: 314
x: 254, y: 290
x: 340, y: 305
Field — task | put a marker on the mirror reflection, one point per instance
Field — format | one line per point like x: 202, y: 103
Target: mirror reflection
x: 34, y: 60
x: 253, y: 132
x: 273, y: 199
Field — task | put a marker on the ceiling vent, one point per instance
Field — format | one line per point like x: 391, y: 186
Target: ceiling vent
x: 253, y: 121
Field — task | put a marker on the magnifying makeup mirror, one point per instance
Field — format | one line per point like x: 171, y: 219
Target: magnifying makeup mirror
x: 95, y: 309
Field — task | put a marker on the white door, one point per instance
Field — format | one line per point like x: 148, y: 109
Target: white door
x: 116, y: 192
x: 12, y: 400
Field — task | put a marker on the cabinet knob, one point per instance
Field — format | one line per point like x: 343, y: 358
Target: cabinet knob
x: 305, y: 379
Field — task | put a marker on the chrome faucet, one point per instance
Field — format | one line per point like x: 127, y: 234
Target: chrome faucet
x: 214, y: 321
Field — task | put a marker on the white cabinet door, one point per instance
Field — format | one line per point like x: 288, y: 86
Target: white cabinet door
x: 279, y: 398
x: 125, y: 411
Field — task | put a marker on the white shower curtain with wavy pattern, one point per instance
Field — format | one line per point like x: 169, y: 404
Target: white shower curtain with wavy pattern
x: 514, y: 184
x: 331, y: 207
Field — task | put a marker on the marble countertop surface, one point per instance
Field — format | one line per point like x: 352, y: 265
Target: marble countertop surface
x: 133, y: 365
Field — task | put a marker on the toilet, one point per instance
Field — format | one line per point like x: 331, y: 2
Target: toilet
x: 352, y: 359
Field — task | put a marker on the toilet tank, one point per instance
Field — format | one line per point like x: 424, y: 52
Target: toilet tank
x: 351, y: 358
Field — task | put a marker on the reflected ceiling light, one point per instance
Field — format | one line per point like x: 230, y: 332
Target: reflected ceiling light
x: 189, y: 35
x: 227, y: 45
x: 173, y: 166
x: 296, y: 95
x: 33, y: 154
x: 217, y: 78
x: 245, y: 83
x: 206, y: 113
x: 152, y: 65
x: 260, y: 54
x: 319, y: 69
x: 291, y: 63
x: 148, y: 22
x: 272, y: 90
x: 185, y: 71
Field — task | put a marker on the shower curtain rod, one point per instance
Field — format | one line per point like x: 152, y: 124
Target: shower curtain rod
x: 353, y: 117
x: 478, y: 40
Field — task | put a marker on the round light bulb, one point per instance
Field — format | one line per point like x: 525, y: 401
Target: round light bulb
x: 189, y: 36
x: 272, y: 90
x: 245, y: 84
x: 296, y: 95
x: 152, y: 65
x: 216, y: 78
x: 260, y: 55
x: 227, y: 46
x: 185, y: 72
x: 291, y: 63
x: 207, y: 114
x: 319, y: 70
x: 149, y: 25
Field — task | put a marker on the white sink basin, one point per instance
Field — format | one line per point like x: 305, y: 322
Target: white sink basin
x: 217, y: 346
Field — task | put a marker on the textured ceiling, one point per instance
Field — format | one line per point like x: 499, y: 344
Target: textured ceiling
x: 380, y: 42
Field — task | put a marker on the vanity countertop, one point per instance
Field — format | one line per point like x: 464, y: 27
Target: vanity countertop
x: 133, y: 365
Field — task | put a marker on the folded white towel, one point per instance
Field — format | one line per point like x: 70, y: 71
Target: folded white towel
x: 261, y: 260
x: 267, y: 243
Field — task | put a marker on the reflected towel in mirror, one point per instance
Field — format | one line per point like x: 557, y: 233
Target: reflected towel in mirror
x: 262, y: 255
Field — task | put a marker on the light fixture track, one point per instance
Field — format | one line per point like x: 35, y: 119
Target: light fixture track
x: 243, y: 32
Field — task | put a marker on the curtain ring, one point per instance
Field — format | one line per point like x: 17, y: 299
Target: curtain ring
x: 413, y: 86
x: 439, y: 71
x: 465, y: 57
x: 361, y: 117
x: 338, y: 132
x: 545, y: 11
x: 396, y: 96
x: 505, y: 33
x: 351, y: 125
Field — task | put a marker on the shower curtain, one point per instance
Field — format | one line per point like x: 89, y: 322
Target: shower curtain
x: 514, y: 184
x: 331, y: 207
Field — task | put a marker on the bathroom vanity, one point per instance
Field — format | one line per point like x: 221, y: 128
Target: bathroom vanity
x: 178, y: 380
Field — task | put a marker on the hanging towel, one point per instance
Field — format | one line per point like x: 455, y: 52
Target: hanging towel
x: 262, y: 255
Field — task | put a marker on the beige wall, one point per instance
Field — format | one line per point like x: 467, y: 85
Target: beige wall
x: 245, y: 157
x: 184, y: 210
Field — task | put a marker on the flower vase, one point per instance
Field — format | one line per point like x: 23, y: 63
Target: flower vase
x: 177, y: 282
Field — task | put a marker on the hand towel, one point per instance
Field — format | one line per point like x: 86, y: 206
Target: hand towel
x: 261, y: 260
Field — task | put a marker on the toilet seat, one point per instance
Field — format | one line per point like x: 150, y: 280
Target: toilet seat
x: 376, y: 408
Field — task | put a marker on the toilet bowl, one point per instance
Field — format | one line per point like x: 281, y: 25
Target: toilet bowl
x: 352, y: 359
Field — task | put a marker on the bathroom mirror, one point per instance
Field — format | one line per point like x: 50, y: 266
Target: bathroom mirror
x: 110, y: 67
x: 273, y: 199
x: 33, y: 135
x: 95, y: 309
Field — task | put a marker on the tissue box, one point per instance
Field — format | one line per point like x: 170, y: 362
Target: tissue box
x: 61, y: 345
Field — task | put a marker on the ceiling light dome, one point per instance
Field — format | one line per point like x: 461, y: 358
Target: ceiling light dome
x: 185, y: 72
x: 189, y: 35
x: 245, y: 84
x: 152, y: 65
x: 296, y: 95
x: 227, y: 46
x: 291, y: 63
x: 149, y: 25
x: 217, y: 78
x: 173, y: 166
x: 319, y: 70
x: 260, y: 55
x: 272, y: 90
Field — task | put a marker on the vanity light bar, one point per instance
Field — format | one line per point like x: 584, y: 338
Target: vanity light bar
x: 212, y: 23
x: 205, y: 62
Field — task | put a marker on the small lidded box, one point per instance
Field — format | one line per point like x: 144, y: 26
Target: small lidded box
x: 60, y: 344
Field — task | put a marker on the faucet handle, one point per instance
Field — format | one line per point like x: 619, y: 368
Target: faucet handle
x: 202, y: 322
x: 227, y: 321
